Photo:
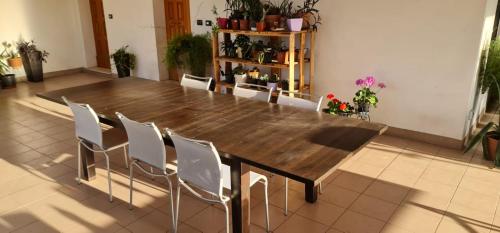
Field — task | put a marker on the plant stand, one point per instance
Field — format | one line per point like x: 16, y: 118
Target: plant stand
x: 294, y: 60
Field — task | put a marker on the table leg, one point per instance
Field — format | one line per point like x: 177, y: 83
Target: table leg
x: 311, y: 192
x: 88, y: 162
x: 240, y: 196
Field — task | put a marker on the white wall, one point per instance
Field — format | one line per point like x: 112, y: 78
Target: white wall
x: 53, y: 24
x: 202, y: 9
x: 426, y: 51
x: 133, y: 24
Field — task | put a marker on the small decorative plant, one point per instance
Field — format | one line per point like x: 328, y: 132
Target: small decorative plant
x: 366, y: 97
x: 7, y: 80
x: 32, y: 59
x: 338, y: 107
x: 190, y: 52
x: 124, y: 61
x: 272, y: 82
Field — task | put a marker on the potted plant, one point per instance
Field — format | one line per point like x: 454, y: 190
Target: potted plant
x: 240, y: 74
x: 272, y: 83
x: 244, y: 22
x: 366, y: 97
x: 7, y: 80
x: 273, y: 15
x: 236, y: 7
x: 489, y: 74
x: 338, y: 107
x: 255, y: 11
x: 262, y: 81
x: 32, y: 59
x: 253, y: 75
x: 261, y: 24
x: 190, y: 52
x: 309, y: 14
x: 221, y: 22
x: 13, y: 58
x: 229, y: 48
x: 243, y: 43
x: 124, y: 61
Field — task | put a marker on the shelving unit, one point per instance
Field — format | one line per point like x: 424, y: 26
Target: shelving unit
x: 299, y: 61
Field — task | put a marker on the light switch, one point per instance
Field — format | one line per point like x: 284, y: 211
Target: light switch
x: 208, y: 23
x: 199, y: 22
x: 110, y: 16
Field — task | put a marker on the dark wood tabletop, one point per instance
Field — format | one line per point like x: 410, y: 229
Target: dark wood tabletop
x: 303, y: 145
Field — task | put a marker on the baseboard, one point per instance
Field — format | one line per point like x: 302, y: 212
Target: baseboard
x: 54, y: 73
x: 97, y: 72
x: 426, y: 138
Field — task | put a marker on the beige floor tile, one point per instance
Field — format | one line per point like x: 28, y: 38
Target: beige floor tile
x: 338, y: 196
x: 431, y: 194
x: 124, y: 216
x: 39, y: 227
x: 374, y: 207
x: 443, y: 176
x: 295, y: 199
x: 188, y: 207
x: 155, y: 221
x: 398, y: 177
x: 358, y: 223
x: 476, y: 200
x: 391, y: 228
x: 387, y: 191
x: 351, y: 181
x: 209, y: 220
x: 415, y: 217
x: 321, y: 212
x: 299, y: 224
x: 457, y: 224
x: 276, y: 216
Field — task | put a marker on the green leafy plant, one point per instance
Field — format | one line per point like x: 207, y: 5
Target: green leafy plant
x: 489, y: 78
x: 215, y: 26
x: 8, y: 51
x: 255, y: 10
x: 27, y: 47
x: 366, y: 95
x: 193, y: 52
x: 275, y: 78
x: 338, y: 107
x: 123, y: 58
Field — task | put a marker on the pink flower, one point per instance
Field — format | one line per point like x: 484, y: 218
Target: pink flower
x: 369, y: 81
x: 382, y: 85
x: 360, y: 82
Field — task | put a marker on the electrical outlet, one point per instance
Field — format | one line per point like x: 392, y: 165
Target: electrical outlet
x: 110, y: 16
x: 199, y: 22
x: 208, y: 23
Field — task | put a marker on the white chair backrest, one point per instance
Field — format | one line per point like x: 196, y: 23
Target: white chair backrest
x: 251, y: 93
x: 198, y: 163
x: 86, y: 123
x: 196, y: 82
x: 145, y: 142
x: 299, y: 102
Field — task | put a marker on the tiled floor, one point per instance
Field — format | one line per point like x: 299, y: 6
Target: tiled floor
x: 393, y: 185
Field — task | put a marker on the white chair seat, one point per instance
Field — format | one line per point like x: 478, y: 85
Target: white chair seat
x: 226, y: 177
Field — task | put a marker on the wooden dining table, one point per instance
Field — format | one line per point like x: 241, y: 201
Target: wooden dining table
x: 302, y: 145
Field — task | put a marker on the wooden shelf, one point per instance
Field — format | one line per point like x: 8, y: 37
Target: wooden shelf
x: 253, y: 63
x: 266, y: 33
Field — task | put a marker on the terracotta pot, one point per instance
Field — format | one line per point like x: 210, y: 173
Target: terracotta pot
x: 493, y: 138
x: 307, y: 21
x: 261, y: 26
x: 235, y: 24
x: 272, y: 21
x: 281, y: 57
x: 222, y: 23
x: 244, y: 24
x: 15, y: 63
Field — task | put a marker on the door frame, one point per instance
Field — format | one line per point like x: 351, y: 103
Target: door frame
x: 105, y: 63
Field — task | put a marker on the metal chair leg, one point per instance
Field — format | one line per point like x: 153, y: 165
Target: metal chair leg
x: 286, y: 196
x: 227, y: 218
x: 109, y: 177
x: 174, y: 223
x: 152, y: 172
x: 131, y: 177
x: 267, y: 205
x: 178, y: 204
x: 79, y: 178
x: 125, y: 156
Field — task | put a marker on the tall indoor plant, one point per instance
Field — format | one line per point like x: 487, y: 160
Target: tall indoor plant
x: 193, y: 53
x: 32, y: 60
x: 124, y: 61
x: 489, y: 78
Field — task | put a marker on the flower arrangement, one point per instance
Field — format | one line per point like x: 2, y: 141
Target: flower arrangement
x: 366, y: 97
x: 338, y: 107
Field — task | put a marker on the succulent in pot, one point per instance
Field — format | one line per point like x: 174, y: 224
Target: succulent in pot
x: 240, y: 74
x: 263, y: 80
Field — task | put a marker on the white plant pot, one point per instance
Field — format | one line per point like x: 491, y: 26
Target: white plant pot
x: 272, y: 86
x: 240, y: 78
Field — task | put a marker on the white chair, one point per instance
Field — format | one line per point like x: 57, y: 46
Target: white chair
x: 253, y: 94
x: 196, y: 82
x: 288, y: 100
x: 147, y: 147
x: 87, y: 129
x: 199, y: 166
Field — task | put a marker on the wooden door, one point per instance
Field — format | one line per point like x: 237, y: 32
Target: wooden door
x: 178, y: 22
x: 100, y: 35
